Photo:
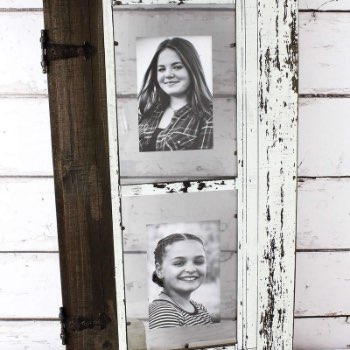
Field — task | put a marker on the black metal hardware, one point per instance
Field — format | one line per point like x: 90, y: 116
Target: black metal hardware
x: 51, y: 51
x: 80, y: 323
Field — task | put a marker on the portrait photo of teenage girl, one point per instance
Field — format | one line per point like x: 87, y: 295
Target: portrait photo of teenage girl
x: 180, y: 269
x: 175, y: 104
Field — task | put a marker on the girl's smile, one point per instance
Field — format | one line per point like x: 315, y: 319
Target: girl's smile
x: 172, y: 76
x: 184, y: 267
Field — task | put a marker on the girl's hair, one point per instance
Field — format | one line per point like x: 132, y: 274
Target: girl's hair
x: 199, y: 94
x: 163, y: 243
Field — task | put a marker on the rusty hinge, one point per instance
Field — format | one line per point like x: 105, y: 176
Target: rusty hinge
x: 51, y: 51
x: 79, y: 323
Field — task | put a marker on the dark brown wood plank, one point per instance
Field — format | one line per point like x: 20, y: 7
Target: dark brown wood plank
x: 78, y: 112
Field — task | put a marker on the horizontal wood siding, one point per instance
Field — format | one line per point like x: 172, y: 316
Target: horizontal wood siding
x: 25, y: 137
x: 32, y: 289
x: 27, y: 210
x: 28, y: 216
x: 30, y: 335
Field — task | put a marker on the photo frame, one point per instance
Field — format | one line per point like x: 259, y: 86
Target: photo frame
x: 265, y: 171
x: 187, y: 221
x: 198, y: 142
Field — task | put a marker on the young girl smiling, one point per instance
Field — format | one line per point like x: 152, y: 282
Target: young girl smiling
x: 180, y: 269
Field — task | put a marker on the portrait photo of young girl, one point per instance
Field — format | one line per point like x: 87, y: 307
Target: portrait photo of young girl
x: 175, y: 103
x: 182, y: 266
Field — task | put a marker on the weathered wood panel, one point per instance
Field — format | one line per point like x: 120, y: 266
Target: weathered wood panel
x: 324, y: 140
x: 28, y: 277
x: 321, y: 333
x: 27, y: 215
x: 78, y: 118
x: 322, y: 284
x: 19, y: 35
x: 323, y: 214
x: 25, y: 141
x: 30, y: 335
x: 324, y: 42
x: 277, y: 115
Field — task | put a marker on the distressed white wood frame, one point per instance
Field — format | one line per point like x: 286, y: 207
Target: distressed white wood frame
x: 266, y: 37
x: 267, y: 140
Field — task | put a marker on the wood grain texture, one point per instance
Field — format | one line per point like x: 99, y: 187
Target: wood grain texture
x: 28, y: 277
x: 78, y: 109
x: 30, y: 335
x: 322, y: 284
x: 25, y: 137
x: 323, y: 137
x: 27, y: 215
x: 323, y: 214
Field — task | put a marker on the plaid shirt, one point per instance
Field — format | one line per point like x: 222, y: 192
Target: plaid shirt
x: 186, y: 131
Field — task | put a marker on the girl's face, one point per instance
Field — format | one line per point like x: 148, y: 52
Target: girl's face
x: 172, y: 76
x: 184, y: 266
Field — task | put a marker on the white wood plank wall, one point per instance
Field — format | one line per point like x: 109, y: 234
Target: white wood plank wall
x: 30, y: 286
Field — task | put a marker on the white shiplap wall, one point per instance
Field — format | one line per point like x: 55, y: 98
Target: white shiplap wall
x: 29, y: 272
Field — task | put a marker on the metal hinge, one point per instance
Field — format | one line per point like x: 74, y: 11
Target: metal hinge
x: 51, y: 51
x: 78, y: 323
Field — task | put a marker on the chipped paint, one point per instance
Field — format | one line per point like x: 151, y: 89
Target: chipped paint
x: 267, y: 35
x: 277, y: 158
x: 178, y: 187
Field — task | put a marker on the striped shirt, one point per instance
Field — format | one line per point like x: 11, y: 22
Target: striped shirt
x: 186, y: 131
x: 164, y: 314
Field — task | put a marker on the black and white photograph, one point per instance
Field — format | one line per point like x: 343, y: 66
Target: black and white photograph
x: 175, y: 97
x: 180, y: 267
x: 184, y: 274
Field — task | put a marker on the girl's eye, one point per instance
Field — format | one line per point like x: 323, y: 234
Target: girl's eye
x: 199, y: 261
x: 161, y: 69
x: 178, y: 66
x: 179, y: 263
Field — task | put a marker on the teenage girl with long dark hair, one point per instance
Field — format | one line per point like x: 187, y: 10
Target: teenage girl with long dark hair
x: 175, y: 104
